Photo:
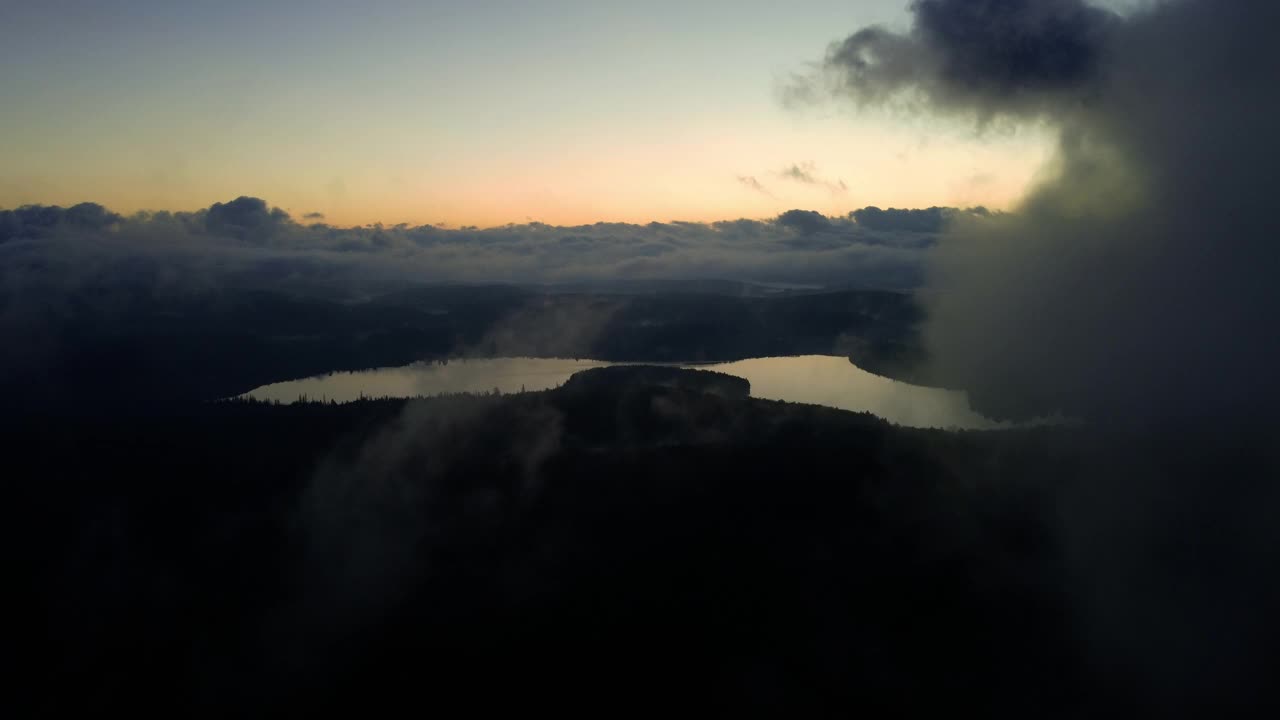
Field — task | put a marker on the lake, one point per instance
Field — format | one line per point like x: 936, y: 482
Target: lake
x: 815, y: 379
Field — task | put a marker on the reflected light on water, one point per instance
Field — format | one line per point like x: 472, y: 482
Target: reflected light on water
x: 814, y: 379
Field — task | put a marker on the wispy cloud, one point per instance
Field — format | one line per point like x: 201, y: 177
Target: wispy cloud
x: 751, y: 182
x: 800, y: 173
x: 806, y: 173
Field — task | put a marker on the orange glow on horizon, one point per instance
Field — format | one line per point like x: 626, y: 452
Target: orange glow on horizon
x: 697, y: 175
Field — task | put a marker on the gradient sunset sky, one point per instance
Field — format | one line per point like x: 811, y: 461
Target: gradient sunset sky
x: 468, y: 113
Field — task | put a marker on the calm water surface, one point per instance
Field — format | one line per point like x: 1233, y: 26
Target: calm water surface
x: 814, y: 379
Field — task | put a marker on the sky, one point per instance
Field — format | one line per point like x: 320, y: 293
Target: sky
x: 483, y: 113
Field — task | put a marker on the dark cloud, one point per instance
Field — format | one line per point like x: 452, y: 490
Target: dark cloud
x: 929, y: 220
x: 33, y: 221
x: 313, y: 216
x: 1004, y: 48
x: 90, y: 215
x: 805, y: 222
x: 245, y: 218
x: 985, y: 57
x: 1133, y: 283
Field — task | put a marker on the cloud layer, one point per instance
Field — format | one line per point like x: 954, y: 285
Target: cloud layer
x: 244, y: 241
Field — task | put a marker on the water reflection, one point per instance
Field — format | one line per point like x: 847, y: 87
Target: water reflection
x: 815, y: 379
x: 508, y: 375
x: 836, y: 382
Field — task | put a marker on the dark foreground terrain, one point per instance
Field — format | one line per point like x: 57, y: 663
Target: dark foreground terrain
x: 639, y: 540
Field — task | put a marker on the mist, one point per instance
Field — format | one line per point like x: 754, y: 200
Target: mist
x: 1135, y: 282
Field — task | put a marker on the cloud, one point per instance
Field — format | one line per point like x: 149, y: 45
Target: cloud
x: 800, y: 174
x: 751, y: 182
x: 245, y: 218
x: 45, y: 220
x: 806, y: 174
x: 313, y: 216
x: 807, y: 222
x: 1127, y: 286
x: 926, y: 220
x: 246, y: 241
x: 1134, y: 287
x: 980, y: 57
